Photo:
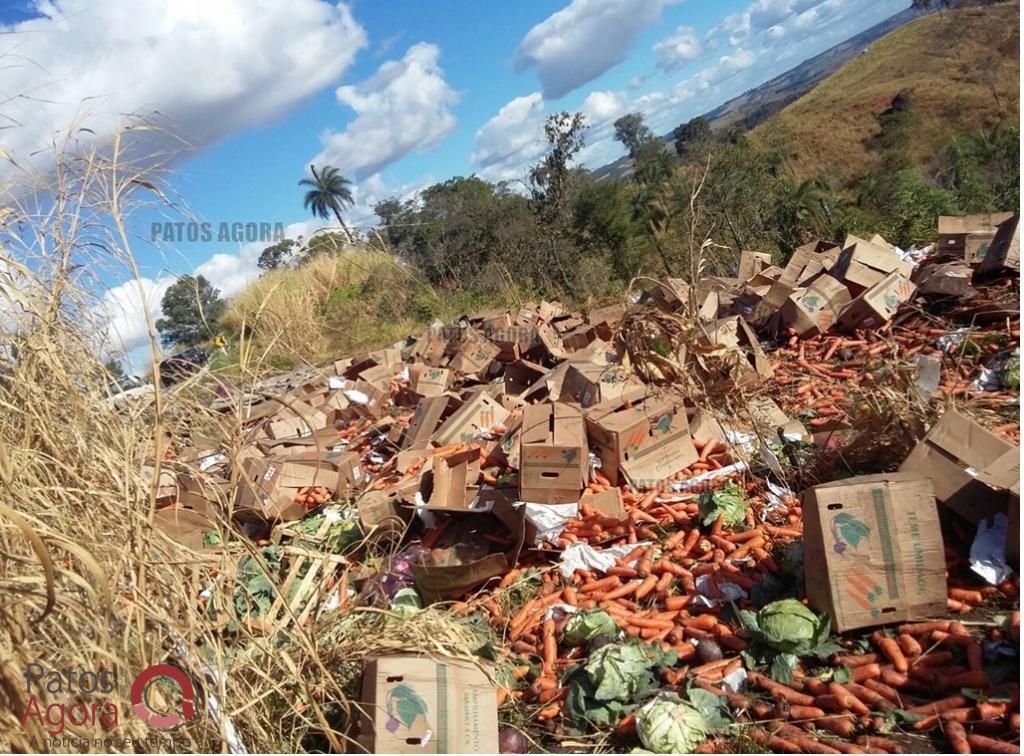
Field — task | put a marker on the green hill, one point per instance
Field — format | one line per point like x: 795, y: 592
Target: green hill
x: 961, y: 68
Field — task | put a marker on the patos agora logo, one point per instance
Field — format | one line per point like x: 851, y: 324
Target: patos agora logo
x: 93, y: 705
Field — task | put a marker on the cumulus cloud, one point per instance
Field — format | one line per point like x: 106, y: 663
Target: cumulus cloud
x: 403, y: 107
x: 675, y: 51
x: 583, y: 40
x: 209, y: 68
x: 510, y: 140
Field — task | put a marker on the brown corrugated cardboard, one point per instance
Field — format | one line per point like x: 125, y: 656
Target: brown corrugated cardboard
x: 812, y: 310
x: 413, y: 704
x: 185, y: 526
x: 808, y: 261
x: 553, y: 454
x: 669, y: 294
x: 267, y: 487
x: 770, y: 420
x: 474, y: 355
x: 384, y: 510
x: 877, y: 305
x: 296, y: 419
x: 1004, y: 251
x: 522, y: 374
x: 951, y: 279
x: 956, y: 455
x: 646, y: 442
x: 863, y: 264
x: 481, y: 412
x: 429, y: 381
x: 587, y: 384
x: 454, y: 479
x: 751, y: 264
x: 954, y: 231
x: 873, y: 551
x: 324, y: 439
x: 425, y: 419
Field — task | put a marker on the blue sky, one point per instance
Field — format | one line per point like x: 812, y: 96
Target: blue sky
x: 397, y: 94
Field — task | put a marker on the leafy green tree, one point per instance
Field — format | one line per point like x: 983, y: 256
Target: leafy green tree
x: 329, y: 192
x: 554, y: 185
x: 907, y: 204
x: 631, y: 130
x: 191, y: 308
x: 691, y: 137
x: 804, y: 212
x: 983, y: 169
x: 114, y: 368
x: 273, y: 257
x: 324, y: 243
x: 550, y: 178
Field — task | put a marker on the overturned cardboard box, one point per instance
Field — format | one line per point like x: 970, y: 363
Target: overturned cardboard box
x: 419, y: 704
x: 813, y: 309
x: 185, y: 526
x: 877, y: 305
x: 479, y: 413
x: 1004, y: 251
x: 967, y: 466
x: 267, y: 487
x: 553, y: 458
x: 645, y: 442
x: 808, y: 261
x: 862, y: 264
x: 873, y: 551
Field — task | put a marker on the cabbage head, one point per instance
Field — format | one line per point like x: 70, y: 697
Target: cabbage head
x: 667, y: 724
x: 586, y: 625
x: 790, y: 627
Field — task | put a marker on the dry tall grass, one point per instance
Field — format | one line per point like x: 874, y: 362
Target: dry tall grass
x: 87, y: 583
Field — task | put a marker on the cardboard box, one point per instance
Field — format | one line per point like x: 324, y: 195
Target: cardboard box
x: 757, y: 305
x: 185, y: 526
x: 769, y: 418
x: 522, y: 374
x: 955, y: 230
x: 475, y: 355
x: 669, y: 294
x: 464, y: 557
x: 951, y: 279
x: 425, y: 418
x: 751, y: 263
x: 813, y: 309
x: 877, y: 305
x: 429, y: 381
x: 383, y: 510
x: 454, y: 480
x: 587, y: 384
x: 480, y: 413
x: 863, y: 264
x: 296, y: 419
x: 324, y: 440
x: 553, y: 459
x: 873, y: 551
x: 416, y: 704
x: 267, y: 487
x: 1004, y: 251
x: 645, y: 443
x: 808, y: 261
x: 965, y: 462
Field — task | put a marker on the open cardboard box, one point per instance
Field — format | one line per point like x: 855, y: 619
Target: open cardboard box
x: 553, y: 458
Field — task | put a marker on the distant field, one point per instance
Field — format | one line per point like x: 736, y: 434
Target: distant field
x: 962, y: 68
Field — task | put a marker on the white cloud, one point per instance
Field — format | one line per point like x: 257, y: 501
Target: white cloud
x: 510, y: 140
x: 583, y: 40
x: 403, y: 107
x: 602, y: 107
x: 673, y: 52
x: 124, y: 307
x: 209, y: 68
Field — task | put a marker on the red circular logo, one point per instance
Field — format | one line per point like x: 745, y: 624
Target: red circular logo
x: 158, y: 720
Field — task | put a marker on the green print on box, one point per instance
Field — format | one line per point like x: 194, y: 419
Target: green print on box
x: 848, y: 531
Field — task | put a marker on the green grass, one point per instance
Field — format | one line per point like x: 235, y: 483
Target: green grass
x: 962, y: 68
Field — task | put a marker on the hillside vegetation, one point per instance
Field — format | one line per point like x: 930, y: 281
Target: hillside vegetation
x: 961, y: 68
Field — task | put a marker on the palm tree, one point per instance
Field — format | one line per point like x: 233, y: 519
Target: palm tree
x: 329, y: 193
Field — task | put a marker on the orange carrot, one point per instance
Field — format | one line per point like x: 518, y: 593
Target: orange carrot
x: 778, y: 690
x: 957, y: 737
x: 892, y: 651
x: 981, y: 744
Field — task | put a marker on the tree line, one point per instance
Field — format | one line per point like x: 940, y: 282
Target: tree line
x: 685, y: 208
